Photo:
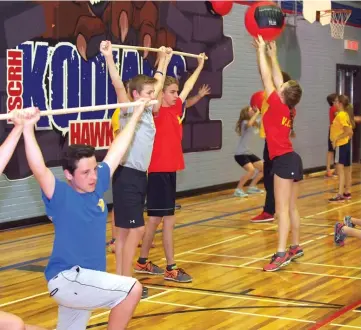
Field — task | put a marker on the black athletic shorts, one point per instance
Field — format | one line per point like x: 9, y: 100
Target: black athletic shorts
x: 161, y: 193
x: 129, y: 192
x: 330, y: 148
x: 343, y: 154
x: 245, y: 159
x: 288, y: 166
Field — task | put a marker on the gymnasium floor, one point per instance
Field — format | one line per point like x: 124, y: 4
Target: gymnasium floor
x: 224, y: 252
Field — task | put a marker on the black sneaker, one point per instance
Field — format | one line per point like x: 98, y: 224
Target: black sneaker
x: 337, y: 198
x: 144, y: 293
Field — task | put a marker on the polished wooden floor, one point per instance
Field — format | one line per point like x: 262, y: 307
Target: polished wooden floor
x: 224, y: 252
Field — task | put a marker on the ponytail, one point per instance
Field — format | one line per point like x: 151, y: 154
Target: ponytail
x: 349, y: 110
x: 292, y: 116
x: 347, y: 107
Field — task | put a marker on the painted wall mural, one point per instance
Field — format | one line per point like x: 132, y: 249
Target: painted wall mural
x: 50, y: 58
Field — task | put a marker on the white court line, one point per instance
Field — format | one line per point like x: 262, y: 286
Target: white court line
x: 204, y: 247
x: 206, y: 293
x: 233, y: 312
x: 270, y: 255
x: 283, y: 270
x: 345, y: 326
x: 142, y: 300
x: 221, y: 242
x: 333, y: 209
x: 298, y: 262
x: 23, y: 299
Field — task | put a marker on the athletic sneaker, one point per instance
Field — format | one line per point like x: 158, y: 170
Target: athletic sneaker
x: 295, y: 252
x: 339, y: 236
x: 144, y: 293
x: 330, y: 174
x: 337, y: 198
x: 277, y: 262
x: 240, y: 193
x: 148, y: 268
x: 254, y: 190
x: 347, y: 196
x: 177, y: 275
x: 348, y: 222
x: 263, y: 217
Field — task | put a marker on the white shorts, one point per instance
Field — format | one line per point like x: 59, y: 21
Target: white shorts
x: 78, y: 291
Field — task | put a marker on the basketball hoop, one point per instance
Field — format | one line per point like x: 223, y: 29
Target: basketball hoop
x: 338, y: 19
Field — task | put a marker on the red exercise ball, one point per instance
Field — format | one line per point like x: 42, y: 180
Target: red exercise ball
x: 266, y: 19
x: 257, y: 100
x: 221, y: 8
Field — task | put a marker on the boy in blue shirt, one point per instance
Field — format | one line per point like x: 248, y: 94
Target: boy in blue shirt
x: 76, y: 272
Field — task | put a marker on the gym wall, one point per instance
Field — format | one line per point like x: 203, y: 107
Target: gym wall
x: 307, y: 52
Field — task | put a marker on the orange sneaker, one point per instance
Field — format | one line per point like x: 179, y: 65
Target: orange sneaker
x: 177, y: 275
x: 148, y: 268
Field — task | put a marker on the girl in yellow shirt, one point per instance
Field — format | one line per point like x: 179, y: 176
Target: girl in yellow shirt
x: 341, y: 132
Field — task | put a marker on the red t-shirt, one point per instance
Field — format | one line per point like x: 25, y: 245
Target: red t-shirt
x: 277, y: 125
x: 332, y: 114
x: 167, y: 155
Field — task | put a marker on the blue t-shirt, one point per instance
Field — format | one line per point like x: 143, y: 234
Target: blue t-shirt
x: 80, y: 226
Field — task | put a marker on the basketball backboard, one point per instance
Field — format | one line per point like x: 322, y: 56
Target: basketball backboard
x: 310, y: 7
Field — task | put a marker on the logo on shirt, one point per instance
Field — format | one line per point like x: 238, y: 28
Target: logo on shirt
x: 101, y: 204
x: 286, y: 122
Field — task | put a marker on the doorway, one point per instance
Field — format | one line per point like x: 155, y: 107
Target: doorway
x: 348, y: 82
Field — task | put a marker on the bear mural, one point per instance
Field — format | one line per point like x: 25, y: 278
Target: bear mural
x: 50, y: 55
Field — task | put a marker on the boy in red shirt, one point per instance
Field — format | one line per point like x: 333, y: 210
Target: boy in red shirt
x: 332, y: 114
x: 287, y: 164
x: 167, y: 159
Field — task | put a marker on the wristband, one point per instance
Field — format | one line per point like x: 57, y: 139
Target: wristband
x: 159, y: 72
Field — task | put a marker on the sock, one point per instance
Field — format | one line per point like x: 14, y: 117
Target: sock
x: 281, y: 254
x: 294, y: 246
x: 171, y: 267
x: 142, y: 261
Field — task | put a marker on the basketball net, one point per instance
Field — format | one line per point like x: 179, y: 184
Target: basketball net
x: 339, y: 17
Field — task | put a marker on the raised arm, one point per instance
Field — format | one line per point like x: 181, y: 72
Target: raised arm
x: 202, y: 92
x: 120, y: 144
x: 164, y: 58
x: 120, y: 90
x: 276, y: 70
x: 264, y: 67
x: 160, y: 74
x: 189, y: 84
x: 10, y: 143
x: 35, y: 158
x: 253, y: 118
